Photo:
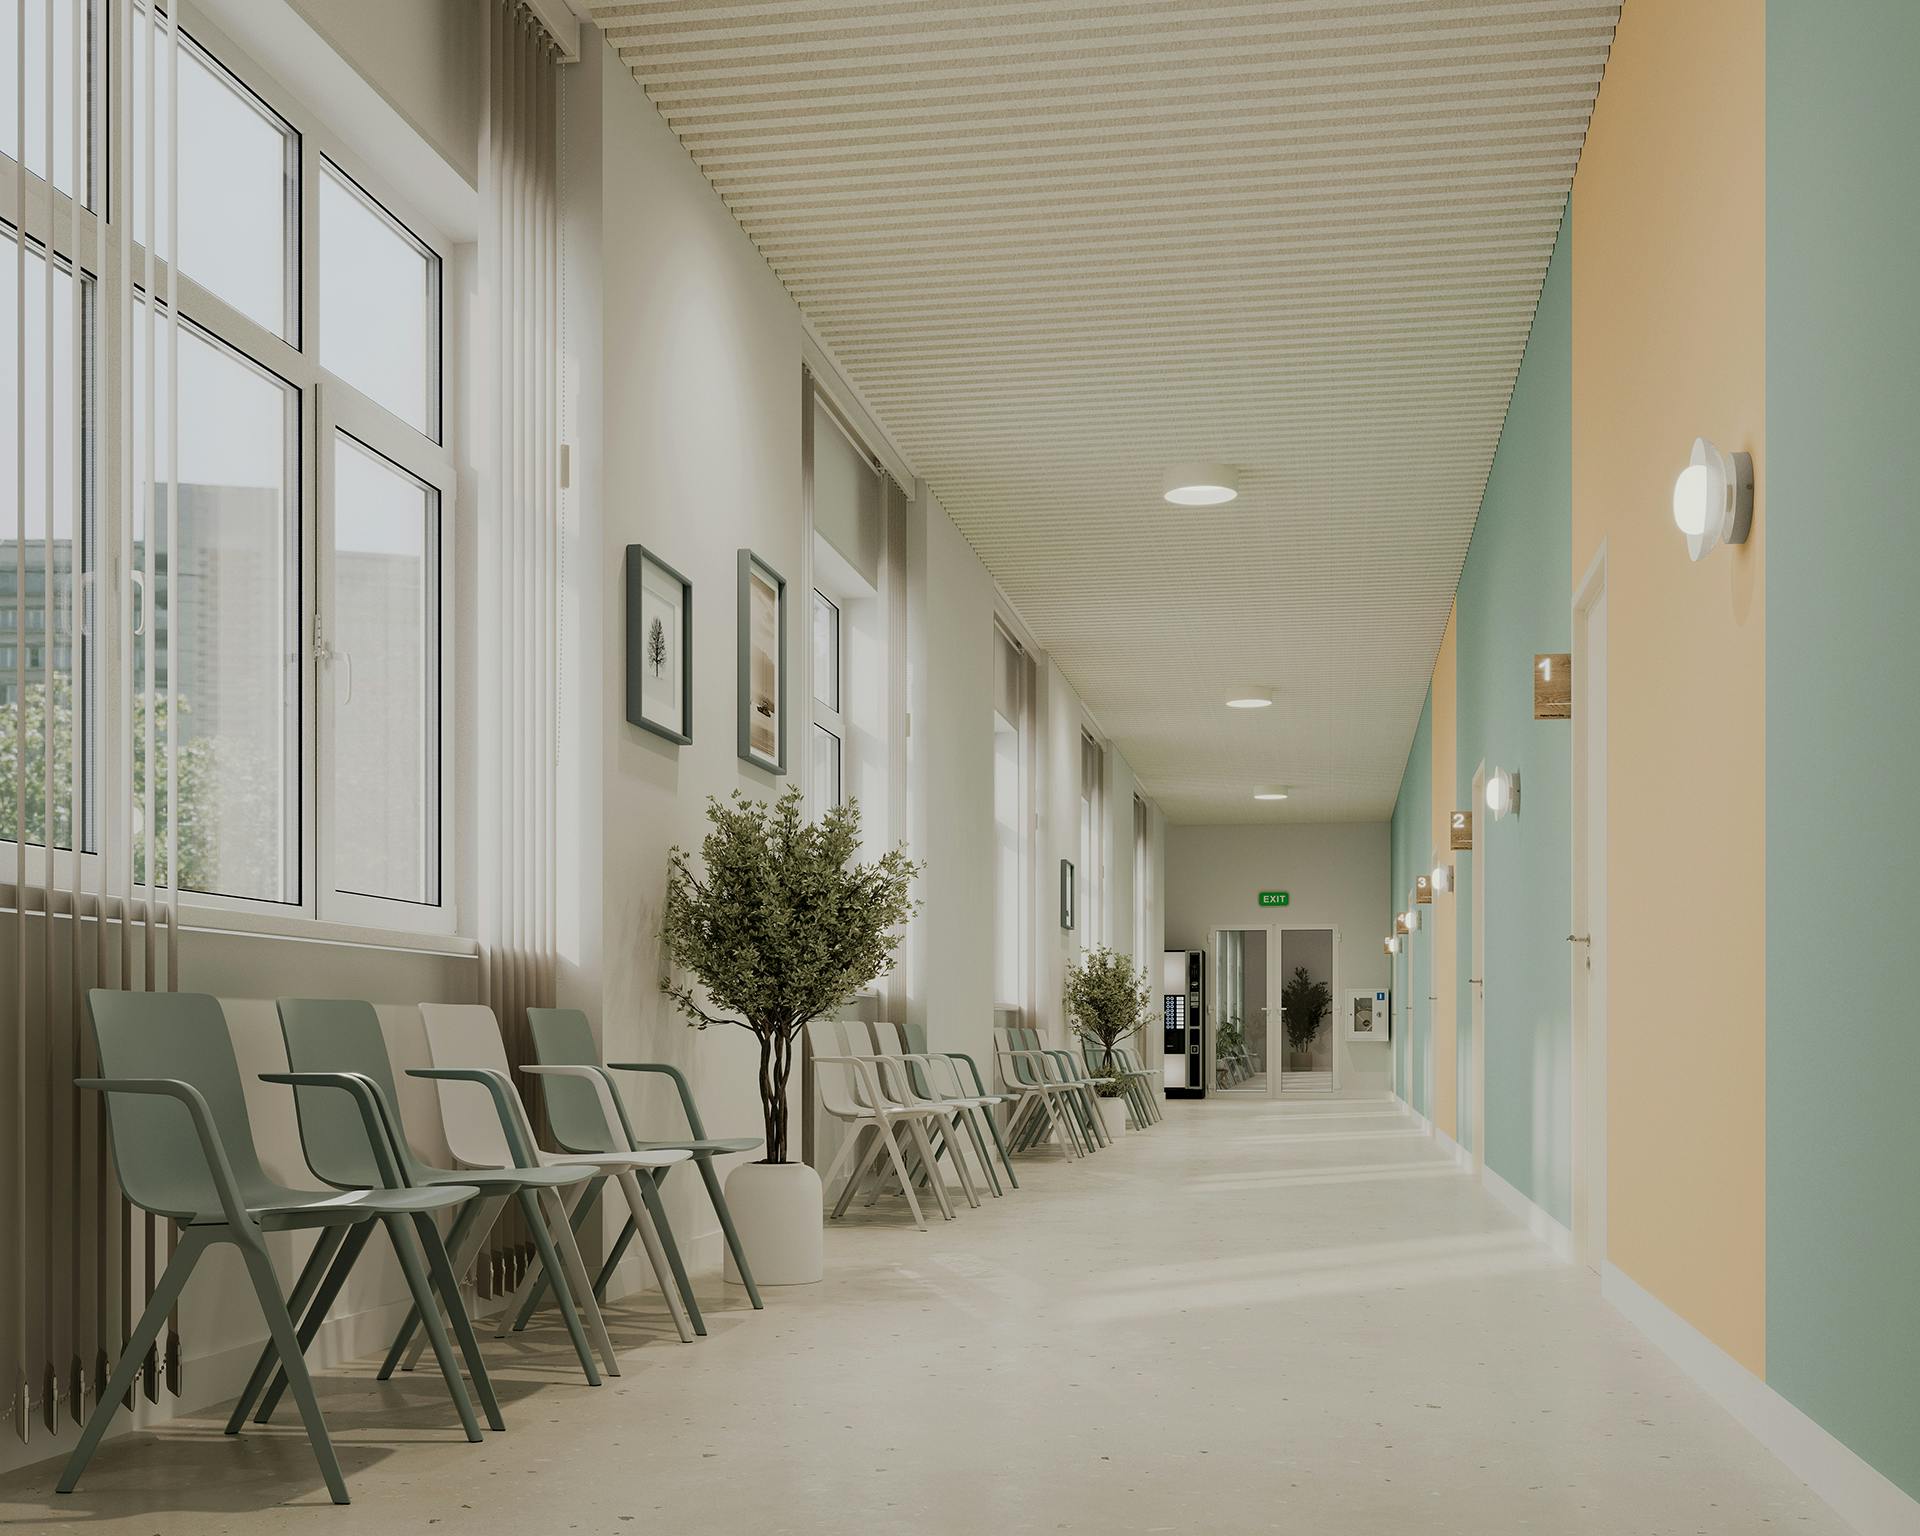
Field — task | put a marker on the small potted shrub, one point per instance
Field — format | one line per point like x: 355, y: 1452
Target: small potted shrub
x: 1108, y: 1002
x: 780, y: 926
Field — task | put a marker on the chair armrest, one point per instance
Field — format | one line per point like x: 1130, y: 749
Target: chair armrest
x: 862, y: 1068
x: 695, y: 1128
x: 893, y: 1070
x: 221, y: 1171
x: 613, y: 1108
x: 979, y: 1082
x: 506, y: 1103
x: 382, y: 1138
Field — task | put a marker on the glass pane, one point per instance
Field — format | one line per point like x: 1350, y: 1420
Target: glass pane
x: 66, y: 13
x: 229, y: 624
x: 240, y: 171
x: 826, y: 768
x: 49, y: 691
x: 383, y: 628
x: 826, y: 652
x: 1006, y: 861
x: 379, y: 304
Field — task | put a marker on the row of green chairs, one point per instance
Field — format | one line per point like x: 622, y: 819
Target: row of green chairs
x: 184, y: 1150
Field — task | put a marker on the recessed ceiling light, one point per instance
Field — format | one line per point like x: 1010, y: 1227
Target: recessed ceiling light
x: 1271, y: 792
x: 1200, y: 485
x: 1250, y: 698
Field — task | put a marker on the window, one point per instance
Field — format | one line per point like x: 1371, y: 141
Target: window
x: 1093, y: 766
x: 278, y: 544
x: 29, y: 601
x: 1144, y: 944
x: 239, y: 185
x: 379, y: 304
x: 1010, y: 882
x: 852, y: 755
x: 828, y: 729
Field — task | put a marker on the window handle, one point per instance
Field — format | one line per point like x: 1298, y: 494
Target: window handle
x: 347, y: 657
x: 139, y: 581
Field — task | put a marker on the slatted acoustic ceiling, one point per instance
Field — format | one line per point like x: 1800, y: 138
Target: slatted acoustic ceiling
x: 1060, y: 245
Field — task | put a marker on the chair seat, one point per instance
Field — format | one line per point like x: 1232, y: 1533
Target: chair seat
x: 557, y: 1176
x: 292, y: 1208
x: 710, y: 1146
x: 613, y: 1162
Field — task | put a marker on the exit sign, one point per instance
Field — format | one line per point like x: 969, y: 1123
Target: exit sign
x: 1275, y: 899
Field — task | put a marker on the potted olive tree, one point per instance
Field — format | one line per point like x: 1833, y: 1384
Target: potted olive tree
x: 781, y: 924
x: 1107, y: 1002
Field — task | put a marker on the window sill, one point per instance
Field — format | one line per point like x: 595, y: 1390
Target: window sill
x: 308, y: 930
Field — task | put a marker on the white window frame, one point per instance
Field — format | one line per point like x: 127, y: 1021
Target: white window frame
x: 322, y: 399
x: 830, y: 718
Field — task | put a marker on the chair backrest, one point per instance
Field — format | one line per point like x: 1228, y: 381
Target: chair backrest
x: 467, y: 1035
x: 156, y: 1152
x: 840, y: 1091
x: 333, y: 1034
x: 562, y: 1037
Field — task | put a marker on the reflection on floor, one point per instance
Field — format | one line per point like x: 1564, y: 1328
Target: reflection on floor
x: 1257, y: 1083
x: 1255, y: 1317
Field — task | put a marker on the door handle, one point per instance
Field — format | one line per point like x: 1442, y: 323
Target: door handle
x: 1475, y: 981
x: 1579, y: 938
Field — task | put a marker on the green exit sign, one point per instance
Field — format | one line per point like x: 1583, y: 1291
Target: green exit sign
x: 1275, y: 899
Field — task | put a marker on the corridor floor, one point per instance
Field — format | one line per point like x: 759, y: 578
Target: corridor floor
x: 1252, y: 1318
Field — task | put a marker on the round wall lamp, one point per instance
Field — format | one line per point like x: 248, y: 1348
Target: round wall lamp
x: 1713, y: 499
x: 1200, y: 485
x: 1413, y: 919
x: 1503, y: 794
x: 1393, y: 945
x: 1443, y: 877
x: 1250, y: 698
x: 1271, y: 792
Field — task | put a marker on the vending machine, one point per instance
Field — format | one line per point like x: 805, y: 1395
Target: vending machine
x: 1183, y: 1019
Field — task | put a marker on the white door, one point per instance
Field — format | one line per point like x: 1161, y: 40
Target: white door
x: 1478, y: 980
x: 1587, y: 942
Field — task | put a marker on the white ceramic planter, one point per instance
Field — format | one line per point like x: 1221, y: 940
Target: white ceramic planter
x: 1113, y: 1113
x: 778, y: 1210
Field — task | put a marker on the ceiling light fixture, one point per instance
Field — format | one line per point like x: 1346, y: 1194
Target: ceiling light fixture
x: 1250, y: 698
x: 1271, y: 792
x: 1713, y: 499
x: 1200, y: 485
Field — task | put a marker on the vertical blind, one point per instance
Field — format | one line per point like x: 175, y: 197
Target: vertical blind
x: 519, y: 547
x: 87, y: 627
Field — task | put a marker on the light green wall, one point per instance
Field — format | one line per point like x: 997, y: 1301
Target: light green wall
x: 1413, y: 966
x: 1514, y: 600
x: 1843, y: 720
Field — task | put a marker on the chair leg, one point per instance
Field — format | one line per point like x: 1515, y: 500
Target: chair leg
x: 416, y: 1272
x: 900, y: 1167
x: 578, y: 1281
x: 543, y: 1242
x: 293, y: 1363
x: 193, y: 1243
x: 971, y: 1118
x: 918, y: 1125
x: 956, y: 1148
x: 316, y: 1313
x: 330, y: 1239
x: 533, y: 1284
x: 670, y: 1245
x: 1006, y: 1162
x: 734, y: 1245
x: 470, y: 1229
x: 643, y: 1200
x: 440, y: 1269
x: 859, y: 1150
x: 844, y: 1162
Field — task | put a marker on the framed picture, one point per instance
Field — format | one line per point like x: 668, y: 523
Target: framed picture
x: 1369, y: 1016
x: 659, y: 646
x: 763, y: 664
x: 1066, y: 893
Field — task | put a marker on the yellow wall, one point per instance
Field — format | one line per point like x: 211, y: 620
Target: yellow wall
x: 1446, y: 1095
x: 1669, y: 343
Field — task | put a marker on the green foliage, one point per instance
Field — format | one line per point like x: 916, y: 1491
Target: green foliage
x: 1109, y: 1087
x: 782, y: 926
x: 1228, y: 1036
x: 1306, y: 1002
x: 1107, y: 999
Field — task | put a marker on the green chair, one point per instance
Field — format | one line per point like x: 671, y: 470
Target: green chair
x: 563, y: 1042
x: 183, y: 1150
x: 332, y: 1035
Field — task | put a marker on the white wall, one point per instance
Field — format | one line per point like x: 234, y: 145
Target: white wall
x: 1337, y: 876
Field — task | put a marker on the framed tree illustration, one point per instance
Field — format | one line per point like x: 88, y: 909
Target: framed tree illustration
x: 659, y: 646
